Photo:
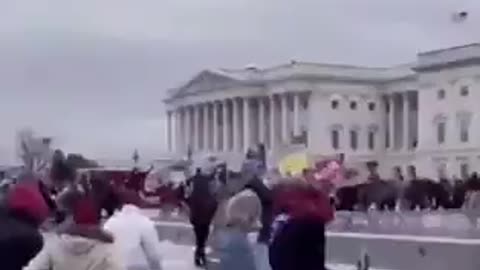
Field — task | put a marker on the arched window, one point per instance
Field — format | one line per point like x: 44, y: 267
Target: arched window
x: 371, y: 106
x: 335, y: 100
x: 334, y: 104
x: 353, y: 105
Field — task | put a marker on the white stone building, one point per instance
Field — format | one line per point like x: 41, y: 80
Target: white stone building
x: 423, y: 114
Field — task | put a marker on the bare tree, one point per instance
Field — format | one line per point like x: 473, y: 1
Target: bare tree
x: 34, y: 151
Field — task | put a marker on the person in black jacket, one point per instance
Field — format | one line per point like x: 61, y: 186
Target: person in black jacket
x: 203, y: 205
x: 254, y: 169
x: 24, y: 211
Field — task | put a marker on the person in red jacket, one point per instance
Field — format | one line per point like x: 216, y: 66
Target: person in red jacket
x: 298, y: 232
x: 24, y: 211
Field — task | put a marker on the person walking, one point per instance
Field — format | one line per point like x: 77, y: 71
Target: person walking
x: 242, y: 214
x: 135, y: 235
x: 298, y: 232
x: 23, y: 212
x: 79, y: 245
x: 203, y: 204
x: 254, y: 169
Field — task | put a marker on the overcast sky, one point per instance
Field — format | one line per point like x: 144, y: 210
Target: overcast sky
x: 92, y: 73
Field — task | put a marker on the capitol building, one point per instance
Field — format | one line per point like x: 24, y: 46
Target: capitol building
x: 422, y: 114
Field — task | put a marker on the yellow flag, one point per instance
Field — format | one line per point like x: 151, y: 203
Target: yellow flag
x: 294, y: 164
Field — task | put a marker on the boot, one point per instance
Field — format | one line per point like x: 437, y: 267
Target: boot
x: 200, y: 259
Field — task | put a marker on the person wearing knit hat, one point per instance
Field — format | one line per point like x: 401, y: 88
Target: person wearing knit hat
x: 24, y: 211
x: 81, y: 245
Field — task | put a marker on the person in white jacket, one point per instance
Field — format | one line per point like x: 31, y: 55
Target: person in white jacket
x: 135, y: 236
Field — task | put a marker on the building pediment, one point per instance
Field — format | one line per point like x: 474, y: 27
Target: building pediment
x: 203, y: 81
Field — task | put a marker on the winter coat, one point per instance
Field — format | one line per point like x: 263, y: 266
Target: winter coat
x: 266, y: 199
x: 299, y: 245
x: 136, y: 238
x: 24, y: 210
x: 202, y: 200
x: 298, y: 231
x: 301, y: 200
x: 20, y: 240
x: 74, y: 252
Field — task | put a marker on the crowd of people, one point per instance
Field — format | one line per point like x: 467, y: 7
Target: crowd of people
x: 289, y: 216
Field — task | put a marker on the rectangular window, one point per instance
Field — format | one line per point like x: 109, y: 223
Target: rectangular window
x: 335, y: 139
x: 354, y: 139
x: 464, y: 136
x: 442, y: 170
x: 371, y: 140
x: 464, y: 170
x: 441, y: 94
x: 441, y: 128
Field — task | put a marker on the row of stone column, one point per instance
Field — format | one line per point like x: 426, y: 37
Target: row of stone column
x: 394, y: 101
x: 234, y: 124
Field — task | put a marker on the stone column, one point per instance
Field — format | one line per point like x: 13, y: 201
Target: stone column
x: 247, y: 135
x: 169, y: 130
x: 273, y: 125
x: 284, y: 110
x: 215, y: 145
x: 391, y: 121
x: 196, y: 127
x: 236, y: 125
x: 261, y: 120
x: 296, y: 114
x: 406, y: 121
x: 226, y: 139
x: 188, y: 127
x: 177, y: 138
x: 174, y: 126
x: 206, y: 127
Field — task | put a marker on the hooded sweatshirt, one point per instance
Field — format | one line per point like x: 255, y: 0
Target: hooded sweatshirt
x: 73, y: 252
x: 82, y: 245
x: 136, y: 237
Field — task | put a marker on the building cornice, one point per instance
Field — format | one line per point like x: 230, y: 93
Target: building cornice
x: 302, y: 71
x: 447, y: 65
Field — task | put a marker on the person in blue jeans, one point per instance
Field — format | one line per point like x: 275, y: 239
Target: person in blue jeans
x: 242, y: 213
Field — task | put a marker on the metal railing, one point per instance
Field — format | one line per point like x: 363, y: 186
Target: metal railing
x: 446, y: 223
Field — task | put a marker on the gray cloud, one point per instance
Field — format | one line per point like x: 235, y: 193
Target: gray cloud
x: 93, y: 73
